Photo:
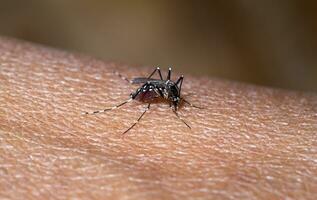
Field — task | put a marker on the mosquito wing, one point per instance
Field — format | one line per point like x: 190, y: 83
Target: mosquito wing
x: 141, y: 80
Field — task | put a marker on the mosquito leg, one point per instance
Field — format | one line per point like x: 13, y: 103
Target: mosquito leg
x: 159, y: 92
x: 192, y: 105
x: 122, y: 77
x: 181, y: 119
x: 159, y: 72
x: 169, y: 74
x: 180, y: 82
x: 147, y: 108
x: 108, y: 109
x: 138, y: 91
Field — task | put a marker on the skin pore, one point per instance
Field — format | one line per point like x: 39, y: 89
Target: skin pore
x: 248, y: 142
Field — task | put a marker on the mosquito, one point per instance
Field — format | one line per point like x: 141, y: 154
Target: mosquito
x: 151, y: 89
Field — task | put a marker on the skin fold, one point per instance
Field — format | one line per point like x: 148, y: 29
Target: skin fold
x: 248, y: 142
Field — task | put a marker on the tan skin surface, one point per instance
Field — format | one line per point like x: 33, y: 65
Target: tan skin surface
x: 249, y: 142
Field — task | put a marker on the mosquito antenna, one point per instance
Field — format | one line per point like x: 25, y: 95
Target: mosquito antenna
x: 169, y: 74
x: 137, y: 121
x: 181, y: 119
x: 107, y: 109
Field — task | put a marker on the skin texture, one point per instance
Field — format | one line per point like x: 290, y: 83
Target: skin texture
x: 248, y: 142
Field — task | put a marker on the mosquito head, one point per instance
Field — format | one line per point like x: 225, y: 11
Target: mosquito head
x: 173, y: 93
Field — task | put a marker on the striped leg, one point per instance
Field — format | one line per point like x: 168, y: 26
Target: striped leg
x: 180, y: 82
x: 122, y: 77
x: 169, y: 74
x: 159, y: 72
x: 135, y: 123
x: 108, y: 109
x: 192, y: 105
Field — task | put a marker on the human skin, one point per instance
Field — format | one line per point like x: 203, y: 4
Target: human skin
x: 248, y: 142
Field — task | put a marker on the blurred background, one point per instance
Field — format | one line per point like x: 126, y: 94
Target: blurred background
x: 271, y: 43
